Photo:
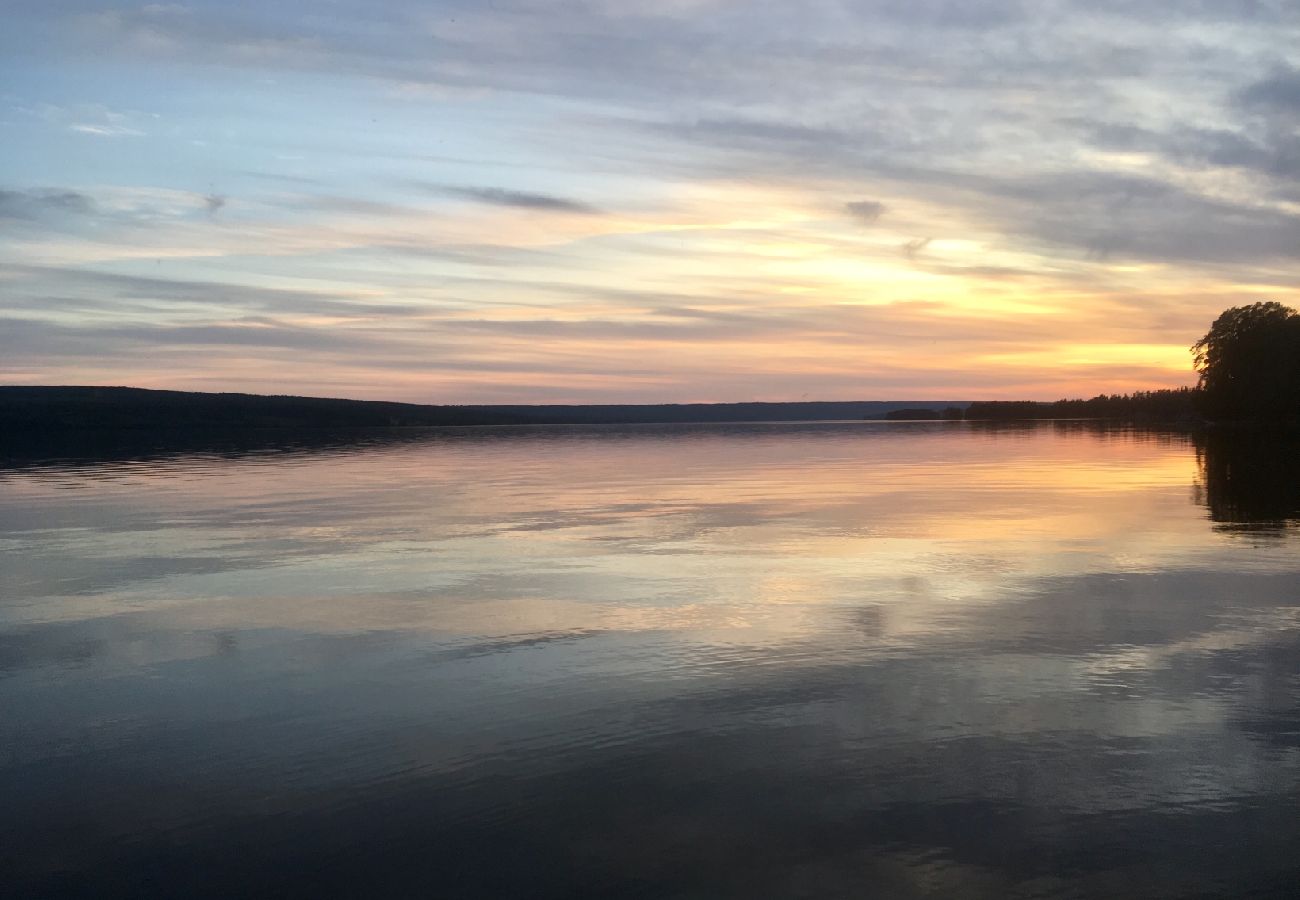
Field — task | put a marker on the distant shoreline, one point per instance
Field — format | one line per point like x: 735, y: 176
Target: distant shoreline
x: 65, y: 410
x: 80, y: 408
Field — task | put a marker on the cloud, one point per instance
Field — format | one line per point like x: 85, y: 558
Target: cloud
x: 913, y: 248
x: 31, y: 335
x: 85, y: 285
x: 135, y: 217
x: 1110, y: 215
x: 1279, y: 90
x: 1271, y: 152
x: 105, y: 130
x: 89, y: 118
x: 495, y: 196
x: 868, y: 212
x: 40, y: 202
x: 1082, y: 152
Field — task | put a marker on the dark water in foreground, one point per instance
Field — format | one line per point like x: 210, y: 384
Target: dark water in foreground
x: 773, y: 661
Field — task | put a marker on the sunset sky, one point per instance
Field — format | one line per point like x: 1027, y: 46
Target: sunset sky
x: 609, y: 201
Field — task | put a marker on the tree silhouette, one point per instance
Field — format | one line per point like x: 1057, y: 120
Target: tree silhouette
x: 1249, y: 363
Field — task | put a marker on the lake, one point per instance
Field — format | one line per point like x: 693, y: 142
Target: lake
x: 818, y: 660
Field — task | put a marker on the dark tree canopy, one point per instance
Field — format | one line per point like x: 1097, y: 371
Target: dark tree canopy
x: 1249, y: 363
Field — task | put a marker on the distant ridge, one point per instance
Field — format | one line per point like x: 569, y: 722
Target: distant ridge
x: 37, y: 409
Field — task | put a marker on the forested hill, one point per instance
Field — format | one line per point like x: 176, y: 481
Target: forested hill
x: 60, y: 408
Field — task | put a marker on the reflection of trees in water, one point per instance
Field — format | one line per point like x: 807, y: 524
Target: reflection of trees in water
x: 1250, y: 479
x: 1102, y: 429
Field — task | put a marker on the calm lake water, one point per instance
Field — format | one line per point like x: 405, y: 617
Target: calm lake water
x: 829, y: 660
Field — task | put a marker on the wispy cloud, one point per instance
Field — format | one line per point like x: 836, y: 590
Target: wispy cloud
x: 495, y: 196
x: 36, y: 202
x: 742, y: 196
x: 105, y: 130
x: 913, y: 248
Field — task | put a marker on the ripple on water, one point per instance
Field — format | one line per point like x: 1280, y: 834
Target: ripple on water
x: 741, y: 661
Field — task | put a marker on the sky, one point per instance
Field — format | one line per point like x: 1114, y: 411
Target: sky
x: 610, y: 201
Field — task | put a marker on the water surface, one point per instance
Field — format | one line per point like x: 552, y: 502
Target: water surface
x: 746, y: 661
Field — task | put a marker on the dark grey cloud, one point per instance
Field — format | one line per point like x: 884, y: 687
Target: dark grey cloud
x: 81, y: 286
x: 1279, y: 90
x: 866, y: 211
x: 62, y: 210
x: 496, y: 196
x: 38, y: 203
x: 1270, y: 152
x: 27, y: 335
x: 913, y: 248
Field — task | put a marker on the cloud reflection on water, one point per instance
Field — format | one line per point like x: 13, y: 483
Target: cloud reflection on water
x: 742, y: 661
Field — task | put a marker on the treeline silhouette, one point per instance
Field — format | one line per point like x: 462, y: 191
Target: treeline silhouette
x: 49, y: 409
x: 925, y: 414
x: 1174, y: 405
x: 59, y: 408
